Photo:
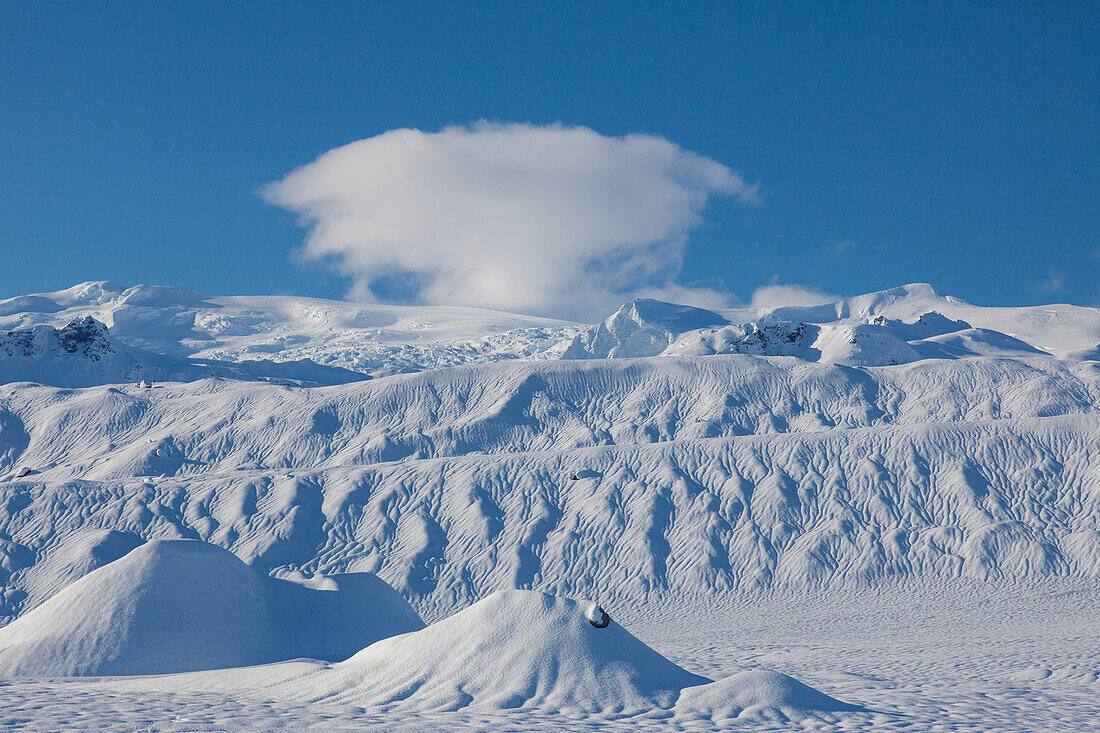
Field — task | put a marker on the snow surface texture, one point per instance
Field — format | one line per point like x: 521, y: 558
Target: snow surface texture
x: 900, y: 436
x: 692, y: 475
x: 176, y: 606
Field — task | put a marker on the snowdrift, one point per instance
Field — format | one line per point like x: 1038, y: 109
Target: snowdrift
x: 757, y: 693
x: 168, y: 606
x: 513, y: 649
x: 182, y: 605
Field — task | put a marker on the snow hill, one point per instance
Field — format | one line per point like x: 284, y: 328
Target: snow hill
x: 606, y: 478
x: 177, y: 606
x: 544, y: 653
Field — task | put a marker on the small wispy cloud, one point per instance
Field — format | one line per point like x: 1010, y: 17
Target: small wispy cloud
x: 550, y: 219
x: 1053, y: 284
x: 846, y: 246
x: 774, y: 295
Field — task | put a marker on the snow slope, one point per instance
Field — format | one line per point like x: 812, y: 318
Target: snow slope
x: 176, y: 606
x: 693, y: 475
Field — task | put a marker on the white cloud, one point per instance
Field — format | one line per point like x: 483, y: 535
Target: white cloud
x: 845, y: 246
x: 1053, y: 284
x: 772, y: 296
x: 539, y: 219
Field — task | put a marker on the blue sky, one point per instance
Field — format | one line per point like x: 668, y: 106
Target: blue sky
x: 891, y: 143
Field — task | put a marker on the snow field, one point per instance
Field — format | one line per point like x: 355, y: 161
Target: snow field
x: 958, y: 655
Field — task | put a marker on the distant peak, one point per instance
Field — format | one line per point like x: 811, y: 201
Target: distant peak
x: 676, y: 318
x: 94, y: 286
x: 924, y: 290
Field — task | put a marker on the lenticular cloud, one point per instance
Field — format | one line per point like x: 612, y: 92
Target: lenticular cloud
x: 540, y: 219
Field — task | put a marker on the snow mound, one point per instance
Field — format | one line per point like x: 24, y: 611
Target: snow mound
x: 513, y: 649
x: 168, y: 606
x: 183, y: 605
x: 334, y: 616
x: 519, y: 650
x: 758, y: 693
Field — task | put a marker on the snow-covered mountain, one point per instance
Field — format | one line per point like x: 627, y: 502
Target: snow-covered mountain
x: 890, y: 327
x: 79, y: 354
x: 372, y: 339
x: 83, y: 353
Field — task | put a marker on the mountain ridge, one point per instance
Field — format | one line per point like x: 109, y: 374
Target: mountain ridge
x: 897, y: 325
